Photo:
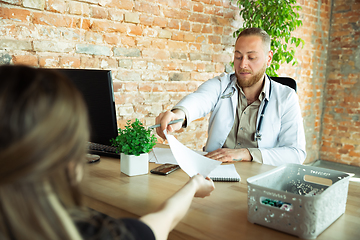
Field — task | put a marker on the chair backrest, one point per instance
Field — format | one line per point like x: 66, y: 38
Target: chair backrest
x: 286, y: 81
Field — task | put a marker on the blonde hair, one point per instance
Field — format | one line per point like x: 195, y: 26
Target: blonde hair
x: 266, y: 40
x: 44, y: 135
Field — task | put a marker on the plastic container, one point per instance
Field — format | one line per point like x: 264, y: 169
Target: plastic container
x: 297, y: 199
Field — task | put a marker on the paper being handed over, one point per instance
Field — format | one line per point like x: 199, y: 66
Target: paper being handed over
x: 191, y: 162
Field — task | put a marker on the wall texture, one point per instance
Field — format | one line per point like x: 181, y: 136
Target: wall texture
x: 158, y: 50
x: 161, y: 50
x: 341, y: 118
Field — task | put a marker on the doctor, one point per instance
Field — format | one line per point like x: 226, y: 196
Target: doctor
x: 252, y: 117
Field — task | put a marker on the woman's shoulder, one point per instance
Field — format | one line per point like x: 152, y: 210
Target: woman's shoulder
x: 101, y: 226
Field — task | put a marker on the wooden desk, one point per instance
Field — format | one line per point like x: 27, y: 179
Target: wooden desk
x: 221, y: 216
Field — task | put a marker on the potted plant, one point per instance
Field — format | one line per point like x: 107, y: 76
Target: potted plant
x: 134, y: 142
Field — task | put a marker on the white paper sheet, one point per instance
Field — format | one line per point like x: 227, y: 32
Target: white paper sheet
x: 164, y: 155
x: 190, y: 161
x: 152, y: 157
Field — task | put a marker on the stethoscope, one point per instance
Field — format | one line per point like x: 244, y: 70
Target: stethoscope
x: 257, y: 134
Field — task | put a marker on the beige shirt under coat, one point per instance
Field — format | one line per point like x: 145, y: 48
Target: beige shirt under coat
x: 244, y: 128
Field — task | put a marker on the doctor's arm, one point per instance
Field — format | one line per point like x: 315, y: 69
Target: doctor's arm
x: 290, y: 144
x: 195, y: 105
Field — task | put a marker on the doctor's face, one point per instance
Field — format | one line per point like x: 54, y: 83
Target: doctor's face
x: 250, y: 60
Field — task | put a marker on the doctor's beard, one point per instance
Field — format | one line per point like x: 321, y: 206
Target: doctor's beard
x: 254, y: 79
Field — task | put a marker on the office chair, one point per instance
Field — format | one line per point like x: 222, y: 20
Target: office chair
x: 286, y: 81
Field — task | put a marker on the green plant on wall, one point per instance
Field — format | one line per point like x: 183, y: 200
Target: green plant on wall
x: 279, y: 18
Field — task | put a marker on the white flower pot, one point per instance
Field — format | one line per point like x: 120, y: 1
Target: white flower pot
x: 133, y: 165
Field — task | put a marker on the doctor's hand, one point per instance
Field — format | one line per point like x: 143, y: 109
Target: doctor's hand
x: 164, y: 118
x: 230, y: 155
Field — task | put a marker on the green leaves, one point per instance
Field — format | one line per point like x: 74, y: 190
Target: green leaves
x: 278, y: 18
x: 134, y: 139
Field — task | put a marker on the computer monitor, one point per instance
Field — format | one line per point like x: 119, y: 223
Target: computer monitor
x: 97, y: 89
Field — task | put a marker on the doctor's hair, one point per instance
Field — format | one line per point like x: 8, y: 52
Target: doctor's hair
x: 257, y: 32
x: 43, y: 140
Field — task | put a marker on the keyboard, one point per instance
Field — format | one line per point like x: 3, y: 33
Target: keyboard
x: 103, y: 150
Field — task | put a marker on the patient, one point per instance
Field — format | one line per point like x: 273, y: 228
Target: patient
x: 43, y: 141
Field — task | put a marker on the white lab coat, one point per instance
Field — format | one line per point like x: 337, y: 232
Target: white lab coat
x: 283, y: 137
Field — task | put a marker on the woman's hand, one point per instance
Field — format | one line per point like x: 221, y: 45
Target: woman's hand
x: 204, y: 186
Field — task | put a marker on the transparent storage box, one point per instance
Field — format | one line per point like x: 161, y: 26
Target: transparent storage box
x: 297, y: 199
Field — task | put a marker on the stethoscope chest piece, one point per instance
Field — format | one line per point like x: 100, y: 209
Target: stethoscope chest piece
x: 257, y: 136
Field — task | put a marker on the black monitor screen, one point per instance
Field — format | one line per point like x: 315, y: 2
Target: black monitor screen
x: 97, y: 89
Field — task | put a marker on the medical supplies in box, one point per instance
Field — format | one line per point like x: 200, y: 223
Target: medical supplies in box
x: 297, y: 199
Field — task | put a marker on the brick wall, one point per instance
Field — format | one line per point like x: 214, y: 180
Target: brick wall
x: 158, y: 51
x: 341, y: 118
x: 310, y: 74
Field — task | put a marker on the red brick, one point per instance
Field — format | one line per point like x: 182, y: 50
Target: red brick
x: 354, y: 154
x: 171, y: 66
x: 146, y: 19
x: 207, y: 29
x: 99, y: 12
x: 195, y: 46
x: 171, y: 3
x: 108, y: 26
x: 159, y: 43
x: 176, y: 87
x: 135, y: 30
x: 14, y: 14
x: 160, y: 22
x: 219, y: 11
x: 202, y: 18
x: 186, y: 4
x: 200, y: 39
x: 29, y: 60
x: 198, y: 7
x: 174, y: 24
x: 158, y: 87
x: 70, y: 62
x: 106, y: 63
x: 145, y: 87
x: 128, y: 41
x: 89, y: 62
x: 83, y: 24
x: 221, y: 58
x: 130, y: 86
x: 54, y: 20
x: 176, y: 14
x: 120, y: 4
x: 147, y: 8
x: 188, y: 37
x: 185, y: 26
x: 156, y: 54
x: 178, y: 46
x: 196, y: 27
x: 218, y: 30
x: 214, y: 39
x: 112, y: 39
x: 49, y: 61
x: 57, y: 6
x: 149, y: 32
x: 200, y: 67
x: 177, y: 36
x: 78, y: 8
